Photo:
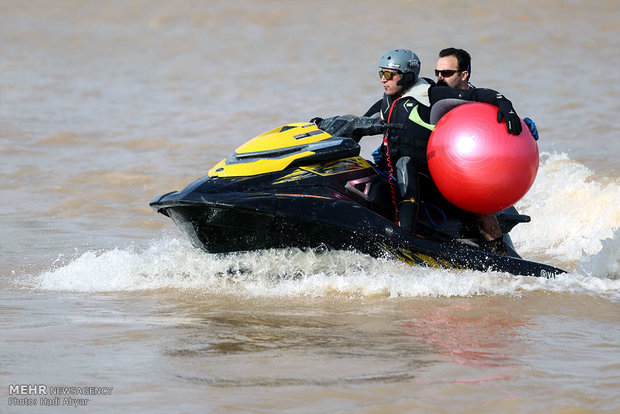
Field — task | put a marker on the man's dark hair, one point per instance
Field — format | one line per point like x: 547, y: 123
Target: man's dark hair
x: 462, y: 58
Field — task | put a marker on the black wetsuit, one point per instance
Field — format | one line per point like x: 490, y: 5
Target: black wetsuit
x: 412, y: 139
x: 413, y: 112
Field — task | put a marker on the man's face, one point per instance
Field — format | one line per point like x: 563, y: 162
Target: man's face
x: 391, y: 86
x: 457, y: 80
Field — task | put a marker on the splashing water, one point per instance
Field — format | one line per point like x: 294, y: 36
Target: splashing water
x: 574, y: 220
x: 175, y: 264
x: 572, y: 215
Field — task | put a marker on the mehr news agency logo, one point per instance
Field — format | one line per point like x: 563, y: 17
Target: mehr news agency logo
x: 54, y: 396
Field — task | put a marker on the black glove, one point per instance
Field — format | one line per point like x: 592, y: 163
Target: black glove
x: 507, y: 112
x: 505, y: 109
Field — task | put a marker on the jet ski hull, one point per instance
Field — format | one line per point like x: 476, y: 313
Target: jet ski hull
x: 268, y: 221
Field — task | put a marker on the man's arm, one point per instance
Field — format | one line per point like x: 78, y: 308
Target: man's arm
x: 485, y: 95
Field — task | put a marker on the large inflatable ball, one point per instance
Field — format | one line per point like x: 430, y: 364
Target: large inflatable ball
x: 476, y: 164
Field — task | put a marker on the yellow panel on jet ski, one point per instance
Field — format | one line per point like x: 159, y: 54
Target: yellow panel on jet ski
x: 290, y: 135
x: 260, y: 166
x: 271, y: 151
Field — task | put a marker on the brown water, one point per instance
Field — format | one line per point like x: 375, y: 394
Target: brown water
x: 106, y: 105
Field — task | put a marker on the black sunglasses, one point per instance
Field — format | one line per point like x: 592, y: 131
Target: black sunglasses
x: 446, y: 73
x: 387, y: 75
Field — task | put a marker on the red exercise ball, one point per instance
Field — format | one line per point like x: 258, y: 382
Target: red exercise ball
x: 476, y: 164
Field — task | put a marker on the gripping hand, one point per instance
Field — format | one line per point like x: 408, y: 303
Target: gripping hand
x: 378, y: 155
x: 507, y: 112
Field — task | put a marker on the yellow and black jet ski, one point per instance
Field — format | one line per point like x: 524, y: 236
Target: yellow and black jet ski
x: 298, y: 186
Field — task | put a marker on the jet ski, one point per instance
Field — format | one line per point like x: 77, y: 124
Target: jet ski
x: 299, y: 186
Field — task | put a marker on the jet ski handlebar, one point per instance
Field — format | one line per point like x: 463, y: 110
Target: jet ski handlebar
x: 353, y: 126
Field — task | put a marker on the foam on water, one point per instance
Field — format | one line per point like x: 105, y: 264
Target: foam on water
x: 174, y: 263
x: 607, y: 261
x: 573, y: 215
x: 575, y: 225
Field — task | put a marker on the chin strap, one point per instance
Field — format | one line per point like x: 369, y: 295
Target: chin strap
x: 407, y: 80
